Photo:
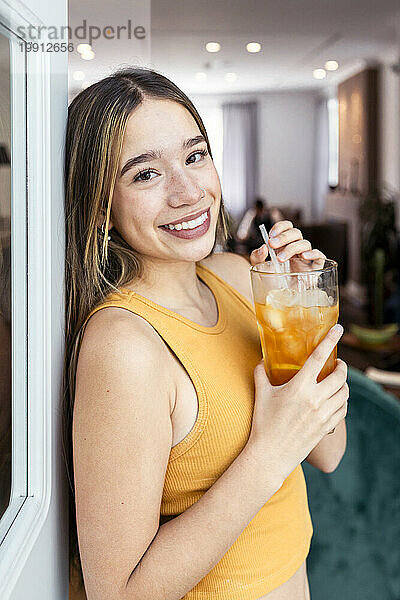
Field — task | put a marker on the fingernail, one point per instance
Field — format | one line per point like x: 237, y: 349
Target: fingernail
x: 338, y: 329
x: 273, y: 234
x: 261, y: 249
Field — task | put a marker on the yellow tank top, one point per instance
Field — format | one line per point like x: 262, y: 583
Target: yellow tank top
x: 220, y: 361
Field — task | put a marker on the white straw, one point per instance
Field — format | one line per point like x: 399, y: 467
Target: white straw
x: 279, y: 268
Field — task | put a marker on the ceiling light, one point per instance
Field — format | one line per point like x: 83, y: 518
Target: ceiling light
x: 253, y: 47
x: 331, y: 65
x: 319, y: 73
x: 88, y: 55
x: 230, y: 77
x: 84, y: 48
x: 201, y: 76
x: 78, y: 75
x: 213, y: 47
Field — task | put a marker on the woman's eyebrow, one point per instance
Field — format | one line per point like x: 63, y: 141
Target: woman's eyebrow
x: 157, y: 154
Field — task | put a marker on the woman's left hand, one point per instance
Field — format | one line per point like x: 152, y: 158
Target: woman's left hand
x: 289, y: 244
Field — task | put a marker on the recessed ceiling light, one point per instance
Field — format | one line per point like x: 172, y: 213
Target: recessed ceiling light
x: 201, y: 76
x: 319, y: 73
x: 84, y: 48
x: 230, y: 77
x: 88, y: 55
x: 253, y: 47
x: 78, y: 75
x: 213, y: 47
x: 331, y: 65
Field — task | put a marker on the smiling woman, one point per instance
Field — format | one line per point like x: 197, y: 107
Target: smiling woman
x: 101, y: 159
x: 170, y: 479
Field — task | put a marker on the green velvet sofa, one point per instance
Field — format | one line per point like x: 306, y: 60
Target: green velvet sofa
x: 355, y: 549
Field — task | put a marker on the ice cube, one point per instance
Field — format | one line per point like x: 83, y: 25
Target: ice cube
x: 315, y: 297
x: 282, y: 298
x: 269, y: 317
x: 273, y: 318
x: 295, y: 345
x: 289, y: 297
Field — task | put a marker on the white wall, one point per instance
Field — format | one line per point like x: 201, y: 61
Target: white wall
x: 286, y: 143
x: 286, y: 130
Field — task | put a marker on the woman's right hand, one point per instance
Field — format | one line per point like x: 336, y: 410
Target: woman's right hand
x: 290, y: 419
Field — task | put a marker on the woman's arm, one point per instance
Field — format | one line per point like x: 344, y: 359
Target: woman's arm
x: 328, y: 453
x: 186, y: 548
x: 122, y: 441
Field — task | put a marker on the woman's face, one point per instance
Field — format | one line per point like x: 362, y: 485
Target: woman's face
x: 165, y: 187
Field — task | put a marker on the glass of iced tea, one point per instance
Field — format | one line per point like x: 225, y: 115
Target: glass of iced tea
x: 294, y: 313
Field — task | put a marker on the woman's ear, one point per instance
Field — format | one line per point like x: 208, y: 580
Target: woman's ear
x: 102, y: 219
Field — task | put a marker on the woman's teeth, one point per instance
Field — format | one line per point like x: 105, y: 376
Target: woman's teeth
x: 189, y: 224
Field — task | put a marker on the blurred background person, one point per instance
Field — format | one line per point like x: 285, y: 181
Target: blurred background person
x: 248, y: 232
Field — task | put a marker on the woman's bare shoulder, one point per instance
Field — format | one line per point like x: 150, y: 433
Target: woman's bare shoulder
x: 232, y: 268
x: 122, y: 323
x: 122, y: 331
x: 114, y: 316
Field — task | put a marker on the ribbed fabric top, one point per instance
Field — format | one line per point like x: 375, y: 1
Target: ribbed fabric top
x: 220, y: 361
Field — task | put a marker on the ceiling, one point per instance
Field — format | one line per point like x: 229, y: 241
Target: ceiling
x: 296, y: 37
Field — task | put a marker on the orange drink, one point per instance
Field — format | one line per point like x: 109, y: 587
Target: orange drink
x: 293, y: 317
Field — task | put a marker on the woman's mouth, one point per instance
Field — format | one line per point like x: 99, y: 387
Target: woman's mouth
x: 190, y: 229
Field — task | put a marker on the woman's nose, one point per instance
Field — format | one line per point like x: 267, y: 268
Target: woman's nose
x: 182, y: 189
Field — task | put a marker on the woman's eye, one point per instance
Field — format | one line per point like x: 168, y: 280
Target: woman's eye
x: 202, y: 153
x: 143, y: 176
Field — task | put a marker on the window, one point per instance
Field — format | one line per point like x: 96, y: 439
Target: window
x: 13, y: 281
x: 333, y: 135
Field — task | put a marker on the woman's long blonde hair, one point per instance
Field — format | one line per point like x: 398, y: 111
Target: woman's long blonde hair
x: 94, y: 266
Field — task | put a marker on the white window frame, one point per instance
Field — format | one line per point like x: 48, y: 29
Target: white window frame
x: 36, y: 228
